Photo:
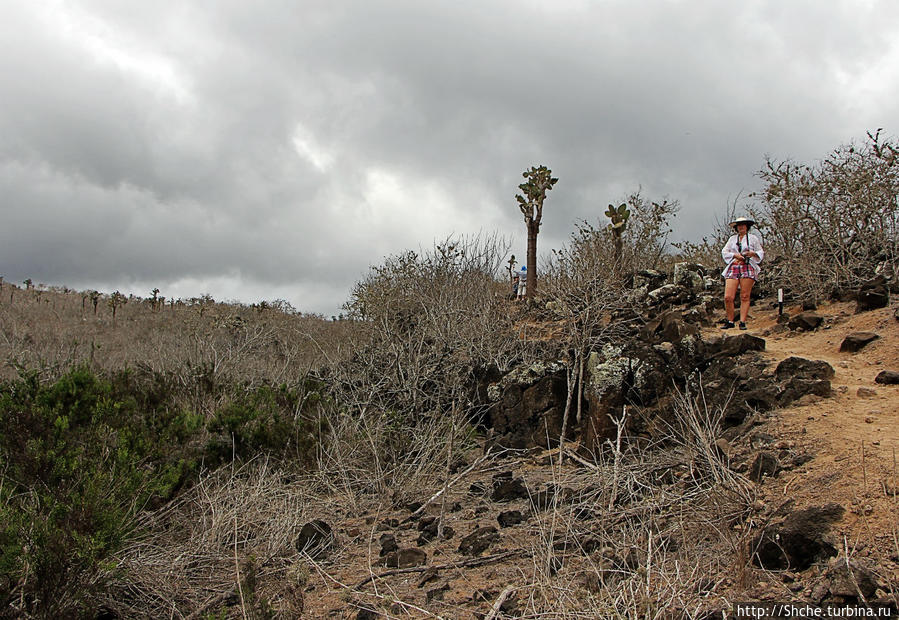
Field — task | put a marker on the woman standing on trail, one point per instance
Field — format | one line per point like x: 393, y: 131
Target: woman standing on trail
x: 743, y: 252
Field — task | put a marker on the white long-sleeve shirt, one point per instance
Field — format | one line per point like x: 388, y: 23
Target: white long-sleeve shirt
x: 740, y: 244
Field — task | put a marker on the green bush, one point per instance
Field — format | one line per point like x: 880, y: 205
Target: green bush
x: 265, y: 420
x: 82, y: 456
x: 79, y: 460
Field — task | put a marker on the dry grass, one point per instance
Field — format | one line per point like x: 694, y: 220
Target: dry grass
x: 52, y: 330
x: 649, y: 529
x: 196, y: 554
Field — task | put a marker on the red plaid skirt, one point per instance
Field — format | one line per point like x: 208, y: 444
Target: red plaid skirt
x: 737, y: 271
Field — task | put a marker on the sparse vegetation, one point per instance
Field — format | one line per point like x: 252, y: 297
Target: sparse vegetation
x: 162, y: 459
x: 834, y: 224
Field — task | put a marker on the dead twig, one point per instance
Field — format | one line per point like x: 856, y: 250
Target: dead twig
x: 574, y: 457
x: 494, y: 611
x: 450, y: 484
x: 466, y: 564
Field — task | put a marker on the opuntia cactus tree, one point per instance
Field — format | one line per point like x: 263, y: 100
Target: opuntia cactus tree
x: 115, y: 300
x: 619, y: 216
x: 539, y: 181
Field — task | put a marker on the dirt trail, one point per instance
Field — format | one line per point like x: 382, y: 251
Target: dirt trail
x: 852, y: 437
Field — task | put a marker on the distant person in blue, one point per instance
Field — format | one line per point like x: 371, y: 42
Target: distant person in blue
x: 522, y: 282
x: 743, y: 252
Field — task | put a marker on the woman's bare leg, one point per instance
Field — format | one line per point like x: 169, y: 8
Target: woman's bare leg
x: 745, y: 292
x: 730, y: 293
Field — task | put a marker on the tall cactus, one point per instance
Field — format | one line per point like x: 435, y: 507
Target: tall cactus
x: 539, y: 181
x: 619, y: 217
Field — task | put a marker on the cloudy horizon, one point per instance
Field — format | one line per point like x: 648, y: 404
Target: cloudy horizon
x: 261, y: 151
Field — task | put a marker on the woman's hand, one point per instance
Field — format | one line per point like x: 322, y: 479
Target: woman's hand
x: 739, y: 258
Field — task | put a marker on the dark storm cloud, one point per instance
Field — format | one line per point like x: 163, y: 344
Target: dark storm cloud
x: 277, y: 149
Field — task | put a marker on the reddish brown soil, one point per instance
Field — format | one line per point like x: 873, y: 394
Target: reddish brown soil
x: 853, y: 437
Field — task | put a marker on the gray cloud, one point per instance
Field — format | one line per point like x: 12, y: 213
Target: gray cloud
x: 276, y: 150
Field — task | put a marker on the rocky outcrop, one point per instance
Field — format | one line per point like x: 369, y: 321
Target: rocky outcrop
x: 689, y: 284
x: 527, y: 406
x: 872, y: 295
x: 315, y: 539
x: 805, y: 321
x: 887, y: 377
x: 666, y: 354
x: 856, y: 341
x: 799, y: 540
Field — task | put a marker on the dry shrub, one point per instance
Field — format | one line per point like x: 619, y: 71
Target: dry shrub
x: 586, y: 282
x: 230, y: 538
x: 833, y: 224
x: 432, y: 324
x: 650, y: 533
x: 643, y: 242
x: 382, y: 454
x: 49, y: 328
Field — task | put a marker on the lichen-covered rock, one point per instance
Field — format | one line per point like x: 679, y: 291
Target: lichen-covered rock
x: 648, y: 280
x: 690, y: 275
x: 671, y: 293
x: 610, y: 370
x: 527, y: 405
x: 610, y: 376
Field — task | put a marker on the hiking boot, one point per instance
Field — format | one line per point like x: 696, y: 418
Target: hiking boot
x: 742, y: 325
x: 728, y: 325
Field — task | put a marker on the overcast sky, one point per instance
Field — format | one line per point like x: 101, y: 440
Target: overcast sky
x: 276, y: 149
